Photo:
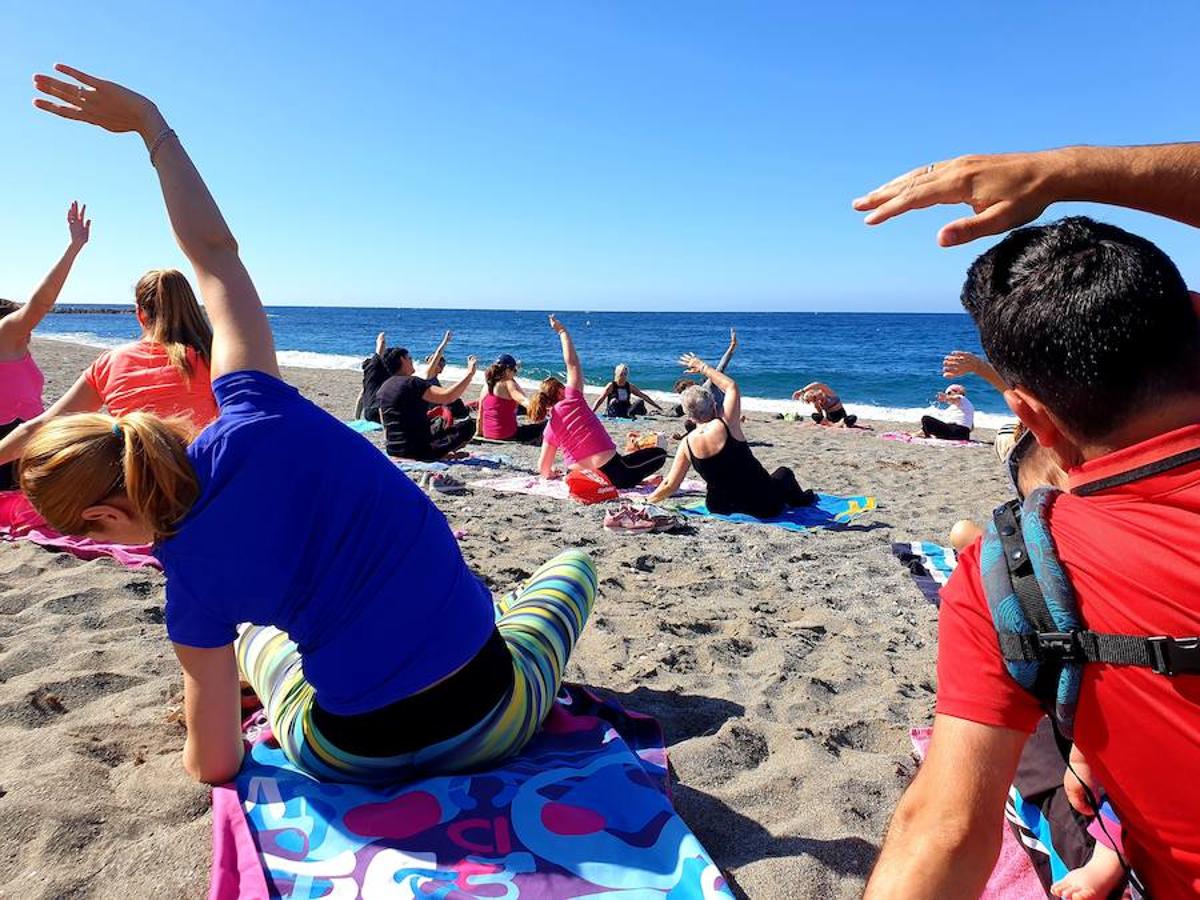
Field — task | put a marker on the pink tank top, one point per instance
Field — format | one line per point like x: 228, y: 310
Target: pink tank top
x: 21, y: 383
x: 498, y: 416
x: 575, y: 430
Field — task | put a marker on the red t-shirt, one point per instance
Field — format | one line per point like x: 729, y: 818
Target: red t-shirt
x: 139, y: 376
x: 1133, y: 556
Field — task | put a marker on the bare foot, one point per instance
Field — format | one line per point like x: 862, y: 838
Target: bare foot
x: 1097, y: 879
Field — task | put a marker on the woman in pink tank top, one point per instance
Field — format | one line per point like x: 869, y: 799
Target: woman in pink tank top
x: 573, y: 428
x: 21, y: 380
x: 498, y: 403
x: 165, y: 373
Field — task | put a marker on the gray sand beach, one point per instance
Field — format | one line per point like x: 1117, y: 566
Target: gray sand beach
x: 785, y: 669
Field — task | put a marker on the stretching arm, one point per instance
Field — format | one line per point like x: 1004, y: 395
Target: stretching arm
x: 81, y: 397
x: 943, y: 839
x: 241, y: 333
x: 733, y: 396
x: 960, y: 362
x: 604, y: 395
x: 16, y: 328
x: 443, y: 396
x: 1007, y: 190
x: 546, y: 459
x: 440, y: 352
x: 637, y: 392
x: 570, y: 357
x: 679, y: 470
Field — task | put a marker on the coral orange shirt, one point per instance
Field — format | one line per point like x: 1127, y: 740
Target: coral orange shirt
x: 140, y: 377
x: 1133, y: 556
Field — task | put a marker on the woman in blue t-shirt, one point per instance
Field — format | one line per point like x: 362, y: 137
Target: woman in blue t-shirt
x: 376, y: 651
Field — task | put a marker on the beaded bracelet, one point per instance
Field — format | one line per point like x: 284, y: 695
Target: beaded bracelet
x: 158, y: 141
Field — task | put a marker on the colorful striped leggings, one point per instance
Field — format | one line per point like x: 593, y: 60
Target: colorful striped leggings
x: 540, y: 623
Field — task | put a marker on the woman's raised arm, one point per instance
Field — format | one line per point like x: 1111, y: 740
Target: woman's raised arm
x: 570, y: 357
x: 241, y: 334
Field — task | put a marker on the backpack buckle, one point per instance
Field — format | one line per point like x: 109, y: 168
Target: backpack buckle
x: 1174, y: 656
x: 1060, y: 646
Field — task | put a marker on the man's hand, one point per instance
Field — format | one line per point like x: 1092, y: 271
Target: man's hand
x: 79, y: 225
x: 960, y: 363
x: 1006, y: 190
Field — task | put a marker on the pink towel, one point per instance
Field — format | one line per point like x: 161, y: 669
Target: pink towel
x: 1014, y: 877
x: 19, y: 521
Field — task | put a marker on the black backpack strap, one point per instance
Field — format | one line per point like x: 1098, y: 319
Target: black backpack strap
x: 1163, y: 655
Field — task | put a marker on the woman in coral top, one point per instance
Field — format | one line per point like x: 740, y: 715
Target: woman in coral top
x: 21, y: 380
x: 573, y: 428
x: 165, y: 372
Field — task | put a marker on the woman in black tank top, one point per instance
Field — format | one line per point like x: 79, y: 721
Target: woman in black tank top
x: 737, y: 481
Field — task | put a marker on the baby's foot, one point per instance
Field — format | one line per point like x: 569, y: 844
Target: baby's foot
x: 1097, y: 879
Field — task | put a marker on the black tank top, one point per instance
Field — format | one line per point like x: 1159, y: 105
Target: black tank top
x: 737, y: 481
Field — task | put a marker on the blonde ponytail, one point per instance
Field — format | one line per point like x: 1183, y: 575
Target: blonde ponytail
x: 173, y: 316
x: 76, y: 462
x: 548, y: 393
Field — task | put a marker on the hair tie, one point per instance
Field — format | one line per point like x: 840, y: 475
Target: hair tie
x: 116, y: 430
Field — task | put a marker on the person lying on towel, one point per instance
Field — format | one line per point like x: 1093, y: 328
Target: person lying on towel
x: 378, y: 654
x: 717, y: 447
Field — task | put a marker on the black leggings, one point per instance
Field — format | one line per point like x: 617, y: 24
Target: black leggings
x: 446, y: 439
x: 947, y: 431
x: 529, y: 433
x: 834, y: 415
x: 8, y: 471
x: 623, y: 409
x: 633, y: 468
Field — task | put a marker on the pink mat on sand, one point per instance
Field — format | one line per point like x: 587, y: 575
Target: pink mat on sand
x: 1014, y: 877
x: 19, y: 521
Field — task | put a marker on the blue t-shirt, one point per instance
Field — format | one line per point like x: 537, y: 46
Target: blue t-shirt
x: 304, y: 525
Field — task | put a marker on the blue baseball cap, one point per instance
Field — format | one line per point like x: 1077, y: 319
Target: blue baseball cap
x: 507, y: 360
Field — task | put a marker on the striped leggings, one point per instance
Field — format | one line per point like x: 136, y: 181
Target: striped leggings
x: 540, y: 623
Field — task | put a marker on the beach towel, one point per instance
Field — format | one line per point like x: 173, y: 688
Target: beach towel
x: 556, y: 489
x: 1014, y: 877
x: 904, y: 437
x: 930, y: 565
x: 828, y: 512
x: 475, y: 461
x: 583, y: 811
x: 363, y: 426
x: 19, y: 521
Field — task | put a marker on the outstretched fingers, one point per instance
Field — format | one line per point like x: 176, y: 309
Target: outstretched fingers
x: 84, y: 77
x: 66, y: 112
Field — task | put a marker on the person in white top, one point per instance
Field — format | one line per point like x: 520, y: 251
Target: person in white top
x: 956, y: 421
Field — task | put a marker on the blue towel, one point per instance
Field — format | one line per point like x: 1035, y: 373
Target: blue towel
x: 475, y: 460
x: 931, y: 565
x: 363, y: 426
x: 827, y: 512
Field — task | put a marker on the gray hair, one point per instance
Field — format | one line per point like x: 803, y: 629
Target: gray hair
x: 620, y: 370
x: 699, y: 405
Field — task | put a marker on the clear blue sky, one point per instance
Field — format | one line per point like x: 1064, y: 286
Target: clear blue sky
x: 572, y: 155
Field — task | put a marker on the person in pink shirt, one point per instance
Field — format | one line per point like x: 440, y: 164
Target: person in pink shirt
x: 499, y: 402
x: 21, y: 380
x: 573, y: 428
x: 165, y: 372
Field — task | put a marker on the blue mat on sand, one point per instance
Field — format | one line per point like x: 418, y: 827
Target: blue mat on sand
x: 475, y: 460
x: 827, y: 512
x: 363, y: 426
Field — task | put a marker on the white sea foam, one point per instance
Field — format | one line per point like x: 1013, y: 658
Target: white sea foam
x: 306, y: 359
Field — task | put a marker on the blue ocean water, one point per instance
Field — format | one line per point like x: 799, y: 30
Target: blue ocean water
x: 888, y: 365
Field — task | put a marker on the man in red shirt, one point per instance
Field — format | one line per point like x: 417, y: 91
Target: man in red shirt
x: 1098, y: 337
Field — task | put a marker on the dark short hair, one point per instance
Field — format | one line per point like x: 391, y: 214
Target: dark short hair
x: 393, y: 357
x: 1092, y: 320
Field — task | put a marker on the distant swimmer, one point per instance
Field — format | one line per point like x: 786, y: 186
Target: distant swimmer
x: 827, y: 404
x: 620, y: 393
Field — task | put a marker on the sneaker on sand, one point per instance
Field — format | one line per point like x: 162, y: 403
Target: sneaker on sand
x: 628, y: 518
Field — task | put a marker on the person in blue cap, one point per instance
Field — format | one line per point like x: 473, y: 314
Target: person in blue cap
x: 500, y: 402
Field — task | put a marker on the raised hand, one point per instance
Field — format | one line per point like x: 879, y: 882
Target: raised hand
x: 380, y: 343
x: 732, y: 337
x: 78, y: 224
x: 692, y: 363
x: 98, y: 102
x: 959, y: 363
x: 472, y: 363
x: 1005, y: 190
x: 558, y: 326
